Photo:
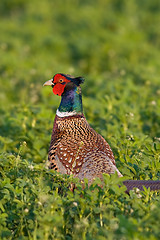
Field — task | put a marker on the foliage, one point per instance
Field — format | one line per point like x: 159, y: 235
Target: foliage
x: 37, y: 204
x: 115, y: 45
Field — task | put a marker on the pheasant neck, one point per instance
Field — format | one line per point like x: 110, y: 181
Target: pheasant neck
x: 71, y: 103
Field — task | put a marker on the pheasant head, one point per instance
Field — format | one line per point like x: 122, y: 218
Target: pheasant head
x: 68, y: 87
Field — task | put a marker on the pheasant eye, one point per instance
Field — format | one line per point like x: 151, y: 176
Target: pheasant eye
x: 61, y: 80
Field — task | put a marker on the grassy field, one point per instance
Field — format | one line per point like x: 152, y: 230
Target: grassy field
x: 115, y: 45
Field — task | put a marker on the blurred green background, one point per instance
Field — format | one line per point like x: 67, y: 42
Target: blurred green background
x: 115, y: 45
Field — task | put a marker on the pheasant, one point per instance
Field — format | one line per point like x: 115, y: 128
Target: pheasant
x: 75, y: 147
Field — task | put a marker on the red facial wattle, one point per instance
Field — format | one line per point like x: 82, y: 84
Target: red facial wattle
x: 58, y: 89
x: 59, y: 84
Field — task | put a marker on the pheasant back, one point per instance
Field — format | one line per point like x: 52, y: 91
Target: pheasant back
x: 77, y: 149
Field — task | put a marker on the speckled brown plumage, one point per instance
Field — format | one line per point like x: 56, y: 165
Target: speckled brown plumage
x: 77, y: 149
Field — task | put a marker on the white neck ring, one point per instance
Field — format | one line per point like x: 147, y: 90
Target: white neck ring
x: 65, y: 114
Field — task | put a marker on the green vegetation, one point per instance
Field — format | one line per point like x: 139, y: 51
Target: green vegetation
x: 115, y: 45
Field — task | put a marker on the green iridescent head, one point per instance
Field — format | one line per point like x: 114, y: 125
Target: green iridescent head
x: 68, y: 87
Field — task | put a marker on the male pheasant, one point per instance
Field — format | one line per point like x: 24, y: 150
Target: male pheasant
x: 75, y: 147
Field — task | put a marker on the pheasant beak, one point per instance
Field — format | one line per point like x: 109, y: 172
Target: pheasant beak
x: 49, y: 83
